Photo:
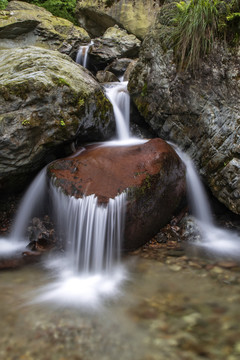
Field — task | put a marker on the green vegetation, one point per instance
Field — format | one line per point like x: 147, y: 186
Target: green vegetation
x: 193, y: 26
x: 60, y: 8
x: 25, y: 122
x: 62, y: 82
x: 3, y: 4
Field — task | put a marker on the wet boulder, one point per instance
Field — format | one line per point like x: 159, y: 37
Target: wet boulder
x: 23, y: 24
x: 152, y: 174
x: 119, y: 66
x: 134, y: 16
x: 197, y: 111
x: 115, y: 43
x: 47, y: 102
x: 106, y: 76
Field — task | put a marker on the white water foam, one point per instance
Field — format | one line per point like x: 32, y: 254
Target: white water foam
x: 10, y: 247
x: 215, y: 240
x: 88, y: 291
x: 91, y: 270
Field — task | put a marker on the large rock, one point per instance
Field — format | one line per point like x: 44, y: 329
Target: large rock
x: 115, y: 43
x: 134, y: 16
x: 23, y: 24
x: 152, y: 172
x: 199, y: 112
x: 46, y: 102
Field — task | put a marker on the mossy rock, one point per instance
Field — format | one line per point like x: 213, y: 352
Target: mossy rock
x: 26, y: 24
x: 134, y: 16
x: 47, y: 102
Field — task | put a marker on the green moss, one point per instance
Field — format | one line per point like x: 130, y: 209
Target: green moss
x: 62, y: 123
x: 103, y: 107
x: 146, y: 188
x: 81, y: 102
x: 142, y: 106
x: 144, y: 90
x: 61, y: 81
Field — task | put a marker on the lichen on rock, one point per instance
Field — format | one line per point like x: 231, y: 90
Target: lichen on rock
x: 47, y: 101
x: 24, y: 24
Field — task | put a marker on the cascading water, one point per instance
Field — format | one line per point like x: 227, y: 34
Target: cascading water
x: 214, y: 239
x: 119, y: 97
x: 91, y: 270
x: 94, y: 232
x: 82, y: 55
x: 31, y: 205
x: 117, y: 94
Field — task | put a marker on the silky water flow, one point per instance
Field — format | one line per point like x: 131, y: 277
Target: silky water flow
x: 82, y: 54
x: 90, y: 269
x: 214, y: 240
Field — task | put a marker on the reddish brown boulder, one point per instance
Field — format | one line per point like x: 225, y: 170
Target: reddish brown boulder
x: 152, y: 172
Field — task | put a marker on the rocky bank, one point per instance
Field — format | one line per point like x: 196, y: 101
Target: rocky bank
x: 198, y: 111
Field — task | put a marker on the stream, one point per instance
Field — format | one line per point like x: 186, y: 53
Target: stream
x: 164, y: 302
x: 170, y: 308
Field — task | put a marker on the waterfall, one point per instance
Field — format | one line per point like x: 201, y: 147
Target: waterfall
x: 93, y: 232
x: 91, y: 270
x: 31, y: 204
x: 118, y: 95
x: 82, y: 55
x: 215, y: 240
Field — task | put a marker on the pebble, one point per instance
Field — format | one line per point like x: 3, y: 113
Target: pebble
x: 175, y: 267
x: 228, y: 264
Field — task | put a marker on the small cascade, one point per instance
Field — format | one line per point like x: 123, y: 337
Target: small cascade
x: 91, y: 270
x: 82, y: 55
x: 93, y: 232
x: 197, y: 196
x: 118, y: 95
x: 215, y: 240
x: 31, y: 205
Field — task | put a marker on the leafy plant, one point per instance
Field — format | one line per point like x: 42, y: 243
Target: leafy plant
x: 192, y: 27
x: 3, y: 4
x: 60, y: 8
x: 194, y: 31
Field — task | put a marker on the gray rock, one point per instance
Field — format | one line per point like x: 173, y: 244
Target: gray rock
x: 106, y: 76
x: 119, y: 66
x: 47, y: 101
x: 115, y: 43
x: 135, y: 16
x: 199, y: 112
x: 23, y: 24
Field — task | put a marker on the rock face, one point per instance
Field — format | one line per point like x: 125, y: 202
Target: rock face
x: 106, y: 76
x: 46, y: 102
x: 134, y: 16
x: 23, y: 24
x: 199, y: 112
x: 152, y: 172
x: 115, y: 43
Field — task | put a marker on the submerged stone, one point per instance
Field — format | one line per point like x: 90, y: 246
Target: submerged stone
x: 152, y: 174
